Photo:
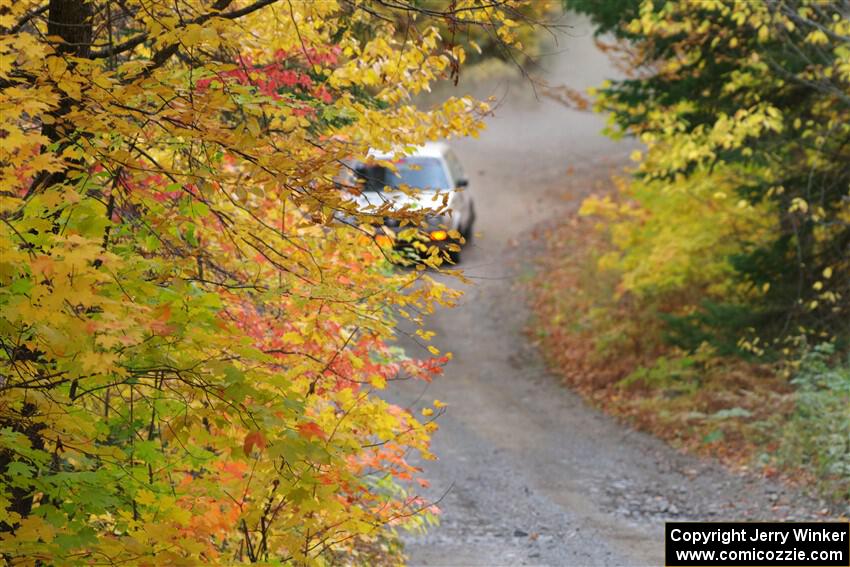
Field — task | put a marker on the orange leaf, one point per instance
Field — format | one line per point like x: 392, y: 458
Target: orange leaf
x: 253, y: 439
x: 311, y: 429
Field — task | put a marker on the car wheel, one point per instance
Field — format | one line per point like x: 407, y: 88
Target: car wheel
x: 454, y: 257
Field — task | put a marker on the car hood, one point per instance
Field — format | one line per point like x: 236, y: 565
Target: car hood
x: 370, y: 201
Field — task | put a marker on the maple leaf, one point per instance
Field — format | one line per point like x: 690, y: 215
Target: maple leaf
x: 252, y: 440
x: 310, y: 430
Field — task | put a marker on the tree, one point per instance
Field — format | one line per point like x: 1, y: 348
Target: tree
x: 754, y: 99
x: 192, y: 341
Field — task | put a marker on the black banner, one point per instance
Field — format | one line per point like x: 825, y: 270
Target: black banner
x: 762, y: 544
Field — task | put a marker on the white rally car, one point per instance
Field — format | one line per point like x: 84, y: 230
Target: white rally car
x: 434, y: 175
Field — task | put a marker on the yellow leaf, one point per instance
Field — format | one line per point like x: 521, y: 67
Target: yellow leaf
x: 293, y: 338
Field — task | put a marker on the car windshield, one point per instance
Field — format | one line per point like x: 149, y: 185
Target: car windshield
x: 415, y: 172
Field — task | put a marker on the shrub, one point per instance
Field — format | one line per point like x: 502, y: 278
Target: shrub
x: 817, y: 435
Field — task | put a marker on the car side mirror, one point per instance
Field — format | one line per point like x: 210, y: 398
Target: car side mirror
x: 462, y: 183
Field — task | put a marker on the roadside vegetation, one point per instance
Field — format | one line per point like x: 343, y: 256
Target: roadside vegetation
x: 706, y: 295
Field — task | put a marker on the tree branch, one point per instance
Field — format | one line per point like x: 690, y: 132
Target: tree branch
x: 172, y: 49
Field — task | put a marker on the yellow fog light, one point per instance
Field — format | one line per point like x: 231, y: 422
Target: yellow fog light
x: 439, y: 235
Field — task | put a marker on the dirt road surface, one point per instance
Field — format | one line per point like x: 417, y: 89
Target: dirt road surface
x: 528, y: 473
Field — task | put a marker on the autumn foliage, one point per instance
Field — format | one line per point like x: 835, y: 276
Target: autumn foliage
x: 192, y: 344
x: 742, y: 193
x: 709, y: 283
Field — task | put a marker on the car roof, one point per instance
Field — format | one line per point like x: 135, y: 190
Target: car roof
x: 429, y: 149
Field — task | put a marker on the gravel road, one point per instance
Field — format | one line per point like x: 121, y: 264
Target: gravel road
x: 529, y: 474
